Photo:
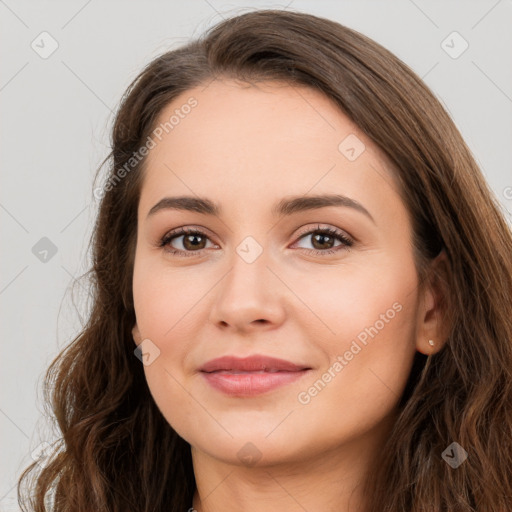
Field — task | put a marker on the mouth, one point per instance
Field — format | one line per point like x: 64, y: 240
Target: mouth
x: 250, y: 376
x: 255, y: 363
x: 242, y: 372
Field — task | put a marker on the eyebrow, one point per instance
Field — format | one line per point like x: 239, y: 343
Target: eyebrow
x: 284, y: 207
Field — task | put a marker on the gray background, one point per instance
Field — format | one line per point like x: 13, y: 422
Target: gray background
x: 56, y: 113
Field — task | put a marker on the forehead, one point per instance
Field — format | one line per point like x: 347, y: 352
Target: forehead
x: 266, y: 112
x: 257, y: 141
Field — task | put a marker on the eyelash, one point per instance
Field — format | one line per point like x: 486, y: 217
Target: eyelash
x: 346, y: 241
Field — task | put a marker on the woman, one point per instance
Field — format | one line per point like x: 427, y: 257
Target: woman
x: 228, y: 366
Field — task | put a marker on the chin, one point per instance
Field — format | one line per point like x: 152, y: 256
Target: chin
x: 251, y: 447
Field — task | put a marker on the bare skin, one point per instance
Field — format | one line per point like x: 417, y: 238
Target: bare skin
x: 246, y: 148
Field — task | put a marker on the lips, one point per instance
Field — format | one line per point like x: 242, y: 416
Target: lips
x: 257, y: 363
x: 254, y: 375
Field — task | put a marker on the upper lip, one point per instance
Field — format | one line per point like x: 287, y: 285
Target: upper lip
x: 251, y: 363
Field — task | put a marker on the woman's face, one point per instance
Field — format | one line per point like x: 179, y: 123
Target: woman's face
x: 264, y: 278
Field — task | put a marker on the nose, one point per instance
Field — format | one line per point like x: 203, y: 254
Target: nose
x: 249, y: 297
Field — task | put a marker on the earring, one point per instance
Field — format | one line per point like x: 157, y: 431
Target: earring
x: 431, y: 343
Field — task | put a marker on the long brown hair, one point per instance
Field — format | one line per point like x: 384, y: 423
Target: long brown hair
x: 118, y: 453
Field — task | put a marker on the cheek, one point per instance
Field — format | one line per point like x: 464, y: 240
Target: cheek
x: 170, y: 394
x: 165, y: 300
x: 365, y: 321
x: 366, y: 300
x: 367, y: 366
x: 165, y: 315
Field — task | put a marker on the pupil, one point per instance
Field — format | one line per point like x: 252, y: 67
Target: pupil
x: 322, y: 236
x: 188, y: 239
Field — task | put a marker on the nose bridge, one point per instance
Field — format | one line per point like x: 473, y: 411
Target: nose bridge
x: 248, y: 277
x: 249, y: 292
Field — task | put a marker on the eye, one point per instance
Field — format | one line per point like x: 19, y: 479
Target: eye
x: 194, y: 241
x: 324, y: 238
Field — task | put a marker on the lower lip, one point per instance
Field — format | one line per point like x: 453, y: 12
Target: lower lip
x: 251, y: 384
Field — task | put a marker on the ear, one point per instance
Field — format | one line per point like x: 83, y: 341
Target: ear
x: 433, y: 319
x: 137, y: 338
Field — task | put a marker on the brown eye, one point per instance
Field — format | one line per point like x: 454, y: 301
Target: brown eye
x: 324, y: 240
x: 192, y: 241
